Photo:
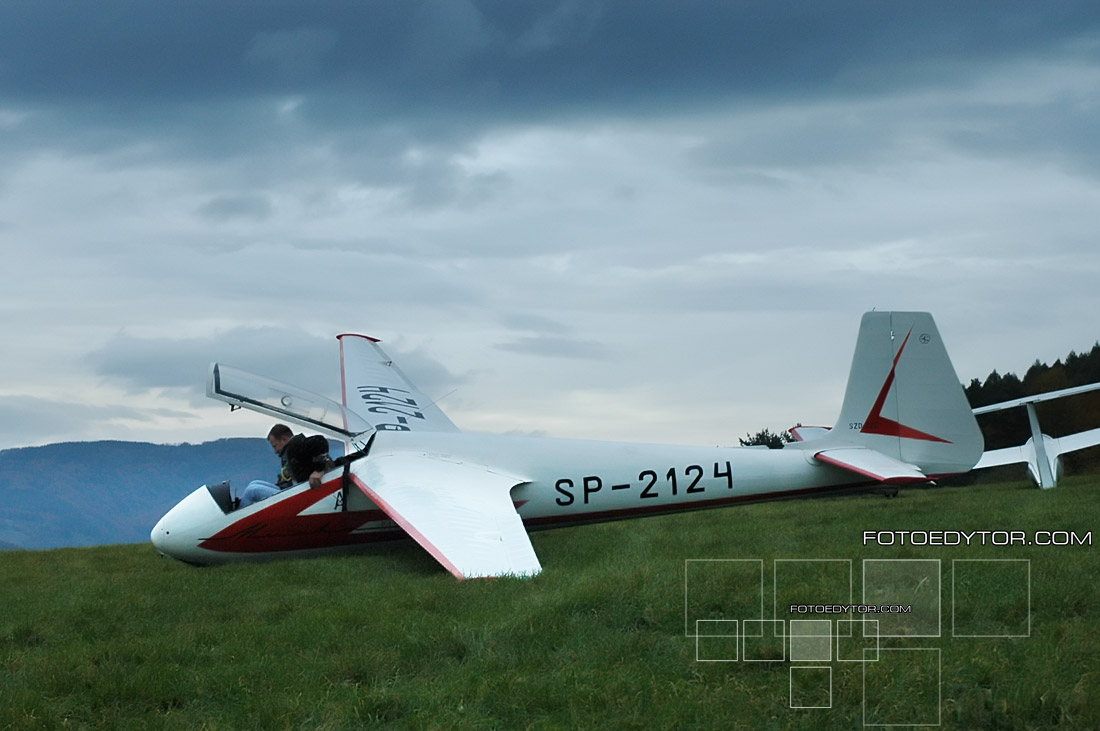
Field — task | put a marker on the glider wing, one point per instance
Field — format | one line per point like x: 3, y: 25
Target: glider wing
x: 1054, y: 447
x: 462, y: 514
x: 1080, y: 440
x: 1008, y: 455
x: 378, y: 391
x: 1037, y: 398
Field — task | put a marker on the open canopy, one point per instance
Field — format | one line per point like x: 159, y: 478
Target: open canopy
x: 284, y: 401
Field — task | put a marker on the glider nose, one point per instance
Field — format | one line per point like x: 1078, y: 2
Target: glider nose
x: 179, y: 533
x: 171, y: 537
x: 161, y: 536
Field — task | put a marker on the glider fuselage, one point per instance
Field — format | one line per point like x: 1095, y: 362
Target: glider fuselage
x: 558, y: 482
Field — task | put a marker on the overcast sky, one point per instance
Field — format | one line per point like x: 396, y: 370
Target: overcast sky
x: 651, y: 221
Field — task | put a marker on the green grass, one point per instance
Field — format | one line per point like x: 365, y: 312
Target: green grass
x: 117, y: 637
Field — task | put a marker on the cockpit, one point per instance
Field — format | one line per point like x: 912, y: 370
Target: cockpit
x: 223, y: 496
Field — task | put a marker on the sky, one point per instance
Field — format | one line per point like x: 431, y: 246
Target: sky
x: 655, y: 222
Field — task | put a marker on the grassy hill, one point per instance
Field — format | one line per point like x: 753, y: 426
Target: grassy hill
x: 117, y: 637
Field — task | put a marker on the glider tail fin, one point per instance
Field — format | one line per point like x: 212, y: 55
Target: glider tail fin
x: 904, y: 399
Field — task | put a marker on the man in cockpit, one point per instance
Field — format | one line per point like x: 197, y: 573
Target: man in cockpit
x: 304, y: 458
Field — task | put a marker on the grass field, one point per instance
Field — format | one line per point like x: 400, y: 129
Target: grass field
x: 117, y: 637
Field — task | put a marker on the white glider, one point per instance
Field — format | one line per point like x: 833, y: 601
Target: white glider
x: 469, y: 499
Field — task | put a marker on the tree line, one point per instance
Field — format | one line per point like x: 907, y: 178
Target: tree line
x: 1057, y: 418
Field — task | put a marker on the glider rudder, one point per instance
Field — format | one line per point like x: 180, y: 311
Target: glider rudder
x: 903, y: 398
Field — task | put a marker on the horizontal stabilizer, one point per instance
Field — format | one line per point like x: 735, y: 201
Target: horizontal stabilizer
x: 869, y: 463
x: 808, y: 433
x: 460, y: 513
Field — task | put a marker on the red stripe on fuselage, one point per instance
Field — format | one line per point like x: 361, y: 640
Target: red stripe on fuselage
x: 281, y: 527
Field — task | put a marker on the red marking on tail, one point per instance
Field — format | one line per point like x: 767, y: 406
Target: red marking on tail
x: 876, y: 423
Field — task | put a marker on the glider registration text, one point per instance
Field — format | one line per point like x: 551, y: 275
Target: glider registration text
x: 689, y: 481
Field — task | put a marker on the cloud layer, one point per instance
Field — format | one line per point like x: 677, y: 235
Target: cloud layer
x: 655, y: 221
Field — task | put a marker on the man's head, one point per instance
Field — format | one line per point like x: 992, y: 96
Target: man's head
x: 279, y: 435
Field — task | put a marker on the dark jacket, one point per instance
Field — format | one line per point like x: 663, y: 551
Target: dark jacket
x: 302, y: 456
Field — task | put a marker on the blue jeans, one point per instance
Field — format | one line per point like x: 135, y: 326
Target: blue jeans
x: 256, y: 491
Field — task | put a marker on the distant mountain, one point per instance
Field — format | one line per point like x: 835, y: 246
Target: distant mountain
x: 94, y: 493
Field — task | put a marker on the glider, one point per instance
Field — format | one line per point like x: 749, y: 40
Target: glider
x: 469, y: 499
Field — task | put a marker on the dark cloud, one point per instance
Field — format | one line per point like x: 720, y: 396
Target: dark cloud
x: 571, y: 22
x: 556, y: 347
x: 227, y: 207
x: 461, y: 64
x: 30, y: 420
x: 294, y: 54
x: 284, y: 354
x: 433, y: 379
x: 1061, y: 130
x: 392, y: 96
x: 533, y: 323
x: 419, y: 177
x: 803, y: 138
x: 550, y: 338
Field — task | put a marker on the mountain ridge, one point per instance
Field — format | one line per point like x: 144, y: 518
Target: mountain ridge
x: 94, y: 493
